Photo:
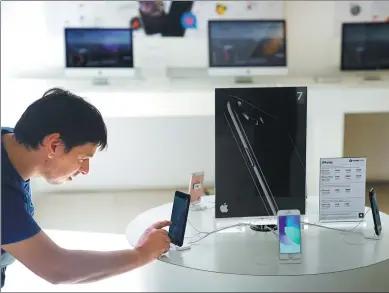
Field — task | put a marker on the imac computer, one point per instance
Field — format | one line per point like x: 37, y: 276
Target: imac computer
x: 365, y: 48
x: 246, y: 48
x: 99, y: 53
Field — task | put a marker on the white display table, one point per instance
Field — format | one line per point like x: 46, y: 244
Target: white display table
x: 244, y: 260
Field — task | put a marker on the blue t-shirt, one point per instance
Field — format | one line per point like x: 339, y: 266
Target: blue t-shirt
x: 17, y: 210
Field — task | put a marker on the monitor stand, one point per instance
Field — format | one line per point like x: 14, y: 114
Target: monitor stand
x: 99, y: 80
x: 328, y: 79
x: 372, y: 77
x: 263, y: 228
x: 243, y: 79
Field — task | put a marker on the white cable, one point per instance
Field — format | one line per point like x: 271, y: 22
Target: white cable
x: 337, y: 229
x: 366, y: 238
x: 197, y: 230
x: 224, y: 228
x: 201, y: 207
x: 277, y: 235
x: 273, y: 231
x: 218, y: 230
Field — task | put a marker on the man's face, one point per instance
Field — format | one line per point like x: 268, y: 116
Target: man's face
x: 61, y: 166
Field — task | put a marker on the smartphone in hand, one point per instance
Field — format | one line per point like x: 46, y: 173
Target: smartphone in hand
x: 179, y: 218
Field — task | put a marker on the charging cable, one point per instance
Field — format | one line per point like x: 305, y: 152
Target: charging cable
x: 200, y: 207
x: 348, y: 231
x: 337, y: 229
x: 366, y: 238
x: 273, y: 230
x: 222, y: 229
x: 215, y: 231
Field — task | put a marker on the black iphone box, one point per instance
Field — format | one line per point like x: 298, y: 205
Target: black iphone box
x: 260, y: 149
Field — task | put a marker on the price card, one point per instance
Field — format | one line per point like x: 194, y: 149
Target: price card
x: 342, y: 189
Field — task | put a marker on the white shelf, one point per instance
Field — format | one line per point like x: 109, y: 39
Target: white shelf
x: 151, y: 98
x: 193, y: 80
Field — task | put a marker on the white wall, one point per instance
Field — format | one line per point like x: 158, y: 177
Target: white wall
x: 313, y: 46
x: 150, y: 152
x: 312, y: 34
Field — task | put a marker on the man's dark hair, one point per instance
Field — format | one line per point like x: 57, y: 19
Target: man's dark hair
x: 60, y: 111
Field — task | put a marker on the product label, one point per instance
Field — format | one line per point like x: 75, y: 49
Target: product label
x: 342, y: 189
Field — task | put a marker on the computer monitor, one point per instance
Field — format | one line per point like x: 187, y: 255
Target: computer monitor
x: 365, y: 46
x: 247, y: 47
x: 99, y: 52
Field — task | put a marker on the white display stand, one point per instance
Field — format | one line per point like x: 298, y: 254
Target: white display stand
x: 241, y: 260
x: 342, y: 189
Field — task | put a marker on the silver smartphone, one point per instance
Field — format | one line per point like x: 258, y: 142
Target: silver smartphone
x: 289, y: 235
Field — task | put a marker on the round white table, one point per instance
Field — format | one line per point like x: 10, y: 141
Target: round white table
x: 240, y: 259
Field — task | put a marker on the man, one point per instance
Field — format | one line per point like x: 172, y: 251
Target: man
x: 55, y: 138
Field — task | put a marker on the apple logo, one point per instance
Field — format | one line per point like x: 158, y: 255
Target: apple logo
x: 224, y: 208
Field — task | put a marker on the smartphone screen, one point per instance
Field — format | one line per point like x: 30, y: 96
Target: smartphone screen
x: 289, y: 234
x: 376, y: 212
x: 179, y: 218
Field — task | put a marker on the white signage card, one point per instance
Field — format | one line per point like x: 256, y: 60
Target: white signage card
x: 342, y: 189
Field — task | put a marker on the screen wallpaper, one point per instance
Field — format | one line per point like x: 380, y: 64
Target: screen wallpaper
x: 289, y: 234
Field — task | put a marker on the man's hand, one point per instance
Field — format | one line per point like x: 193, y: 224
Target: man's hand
x: 155, y: 241
x: 62, y: 266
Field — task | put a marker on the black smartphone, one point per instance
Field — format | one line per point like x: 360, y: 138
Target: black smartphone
x: 172, y: 26
x: 153, y: 16
x: 179, y: 218
x: 375, y: 211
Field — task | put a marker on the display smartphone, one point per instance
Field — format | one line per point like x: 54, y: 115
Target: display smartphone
x: 172, y: 26
x: 250, y: 121
x: 179, y: 218
x: 153, y: 16
x: 289, y: 235
x: 375, y: 211
x: 196, y: 189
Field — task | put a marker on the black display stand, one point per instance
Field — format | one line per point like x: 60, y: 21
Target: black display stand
x: 263, y: 228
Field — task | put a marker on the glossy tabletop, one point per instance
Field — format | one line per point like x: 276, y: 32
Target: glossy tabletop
x: 242, y: 251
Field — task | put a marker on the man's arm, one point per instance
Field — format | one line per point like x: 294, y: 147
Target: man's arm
x: 22, y: 237
x: 59, y: 266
